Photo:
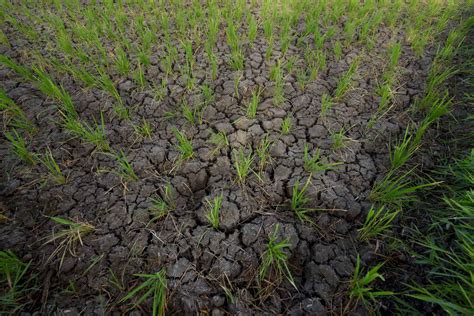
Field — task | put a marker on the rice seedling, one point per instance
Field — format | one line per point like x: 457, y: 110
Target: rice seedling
x: 207, y: 95
x: 162, y: 205
x: 81, y: 74
x: 274, y: 265
x: 319, y: 39
x: 93, y: 134
x: 300, y: 200
x: 252, y: 29
x: 337, y: 49
x: 313, y: 163
x: 290, y: 63
x: 214, y: 66
x: 360, y: 285
x: 184, y: 145
x: 276, y: 74
x: 20, y: 148
x: 220, y: 141
x: 349, y: 31
x: 449, y: 276
x: 121, y: 111
x: 395, y: 53
x: 106, y: 84
x: 237, y: 58
x: 154, y: 287
x: 214, y: 23
x: 420, y: 41
x: 189, y: 56
x: 213, y: 209
x: 19, y: 69
x: 302, y: 78
x: 139, y: 75
x: 46, y: 85
x: 15, y: 282
x: 385, y: 93
x: 24, y: 28
x: 316, y: 61
x: 268, y: 28
x: 285, y: 41
x: 122, y: 63
x: 263, y: 152
x: 253, y: 104
x: 440, y: 107
x: 339, y: 139
x: 4, y: 40
x: 124, y: 168
x: 167, y: 63
x: 396, y: 190
x: 326, y: 104
x: 144, y: 130
x: 68, y: 237
x: 188, y: 112
x: 345, y: 81
x: 451, y: 46
x: 52, y: 166
x: 13, y: 115
x: 402, y: 151
x: 242, y: 164
x: 269, y: 49
x: 64, y: 43
x: 160, y: 91
x: 378, y: 220
x: 286, y: 124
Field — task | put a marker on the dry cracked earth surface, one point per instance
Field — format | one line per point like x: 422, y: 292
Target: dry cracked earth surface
x: 203, y: 264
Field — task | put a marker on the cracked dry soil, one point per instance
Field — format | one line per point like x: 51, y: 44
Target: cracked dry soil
x: 200, y: 261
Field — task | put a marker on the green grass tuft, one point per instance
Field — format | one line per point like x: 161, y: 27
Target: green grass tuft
x: 213, y: 209
x: 154, y: 287
x: 275, y: 260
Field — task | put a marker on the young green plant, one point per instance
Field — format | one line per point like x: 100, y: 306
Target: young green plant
x: 243, y: 165
x: 144, y: 130
x: 162, y: 205
x: 286, y: 124
x: 20, y: 148
x: 274, y: 263
x: 124, y: 168
x: 360, y: 285
x: 326, y: 104
x: 213, y: 209
x: 300, y: 200
x: 313, y: 163
x: 14, y: 116
x: 263, y: 152
x: 52, y: 166
x: 253, y: 104
x: 220, y: 141
x: 154, y: 286
x: 184, y: 145
x: 93, y: 134
x: 68, y: 237
x: 345, y: 81
x: 378, y: 220
x: 16, y: 282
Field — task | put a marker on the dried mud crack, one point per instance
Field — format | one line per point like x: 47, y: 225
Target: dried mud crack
x: 154, y: 214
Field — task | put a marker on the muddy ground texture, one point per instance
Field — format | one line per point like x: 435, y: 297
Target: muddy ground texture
x: 199, y: 260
